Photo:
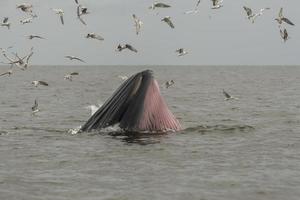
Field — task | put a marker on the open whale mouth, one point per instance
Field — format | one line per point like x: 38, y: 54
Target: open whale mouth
x: 136, y: 106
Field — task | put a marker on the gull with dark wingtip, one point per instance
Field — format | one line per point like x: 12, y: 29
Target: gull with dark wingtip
x: 159, y: 5
x: 181, y: 52
x: 126, y: 46
x: 70, y: 76
x: 74, y: 58
x: 167, y: 19
x: 281, y: 18
x: 81, y: 10
x: 94, y: 36
x: 37, y: 83
x: 30, y: 37
x: 59, y: 12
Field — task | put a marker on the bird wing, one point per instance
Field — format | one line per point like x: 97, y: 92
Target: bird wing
x: 76, y: 1
x: 98, y: 37
x: 78, y: 11
x: 162, y: 5
x: 29, y: 56
x: 248, y: 11
x: 280, y: 13
x: 226, y: 94
x: 169, y: 22
x: 286, y: 20
x: 62, y: 19
x: 43, y: 83
x: 281, y: 33
x: 214, y: 2
x: 74, y: 73
x: 128, y: 46
x: 198, y: 2
x: 4, y: 73
x: 80, y: 19
x: 78, y: 59
x: 5, y: 20
x: 34, y: 107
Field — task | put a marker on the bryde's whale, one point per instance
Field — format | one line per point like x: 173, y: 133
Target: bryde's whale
x: 136, y: 106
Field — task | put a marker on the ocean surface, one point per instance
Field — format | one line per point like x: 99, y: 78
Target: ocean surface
x: 229, y: 150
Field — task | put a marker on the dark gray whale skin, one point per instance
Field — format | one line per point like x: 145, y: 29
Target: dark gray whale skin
x: 127, y: 105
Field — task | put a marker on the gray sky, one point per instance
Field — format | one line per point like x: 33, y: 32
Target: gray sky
x: 212, y: 37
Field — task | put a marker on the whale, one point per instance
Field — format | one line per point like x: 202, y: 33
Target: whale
x: 136, y: 106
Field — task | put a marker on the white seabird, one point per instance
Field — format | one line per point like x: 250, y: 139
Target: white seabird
x: 169, y: 83
x: 37, y: 83
x: 281, y: 18
x: 228, y: 96
x: 284, y: 35
x: 159, y: 5
x: 167, y: 19
x: 94, y: 36
x: 137, y: 23
x: 126, y: 46
x: 75, y: 58
x: 70, y: 76
x: 35, y: 108
x: 217, y: 4
x: 26, y: 21
x: 59, y: 12
x: 181, y: 52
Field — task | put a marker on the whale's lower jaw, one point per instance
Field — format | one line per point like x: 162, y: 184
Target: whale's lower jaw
x: 136, y: 106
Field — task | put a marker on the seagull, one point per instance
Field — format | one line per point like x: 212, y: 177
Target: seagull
x: 216, y: 4
x: 9, y: 72
x: 169, y: 83
x: 37, y: 83
x: 81, y: 10
x: 281, y: 18
x: 126, y: 46
x: 25, y: 7
x: 167, y: 19
x: 228, y: 97
x: 5, y: 22
x: 74, y: 58
x: 251, y: 15
x: 26, y: 63
x: 59, y: 12
x: 137, y: 23
x: 30, y: 37
x: 159, y: 5
x: 35, y: 108
x: 181, y: 52
x: 70, y: 76
x: 27, y: 20
x: 284, y: 35
x: 94, y: 36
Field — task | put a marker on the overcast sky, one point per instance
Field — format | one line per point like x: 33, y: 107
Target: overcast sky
x: 212, y: 37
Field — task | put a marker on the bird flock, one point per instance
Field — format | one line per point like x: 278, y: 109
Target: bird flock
x: 22, y: 62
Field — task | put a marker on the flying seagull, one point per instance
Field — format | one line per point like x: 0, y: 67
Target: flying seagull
x: 181, y: 52
x: 25, y: 7
x: 5, y: 22
x: 228, y: 96
x: 137, y: 23
x: 35, y: 108
x: 167, y: 19
x: 94, y: 36
x: 284, y: 35
x: 169, y: 83
x: 281, y: 18
x: 37, y: 83
x: 30, y: 37
x: 126, y: 46
x: 70, y: 76
x: 81, y: 10
x: 74, y: 58
x: 159, y: 5
x: 254, y: 16
x: 195, y: 10
x: 59, y: 12
x: 217, y: 4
